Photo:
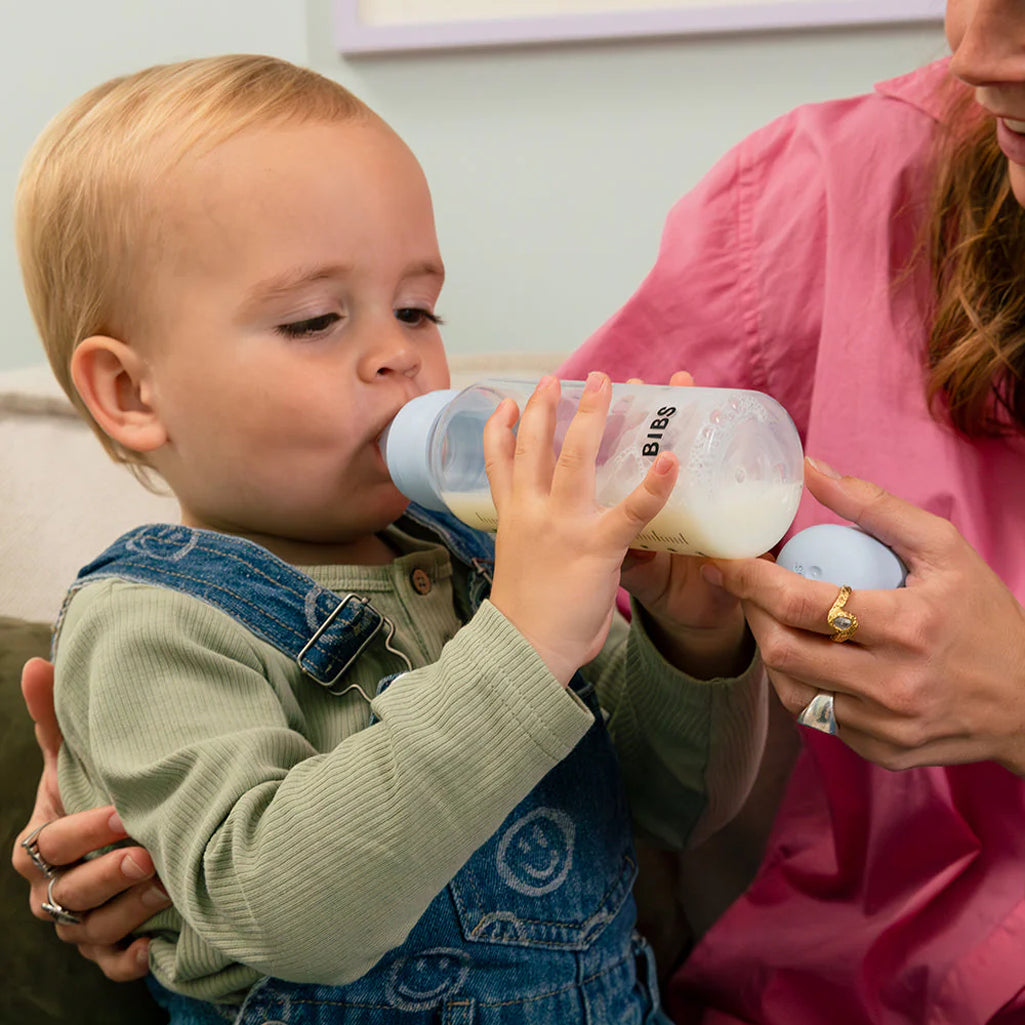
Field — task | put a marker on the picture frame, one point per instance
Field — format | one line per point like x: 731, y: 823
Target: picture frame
x: 367, y: 27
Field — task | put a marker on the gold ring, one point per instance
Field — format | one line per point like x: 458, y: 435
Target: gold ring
x: 843, y: 622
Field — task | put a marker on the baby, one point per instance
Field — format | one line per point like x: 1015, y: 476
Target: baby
x: 370, y: 749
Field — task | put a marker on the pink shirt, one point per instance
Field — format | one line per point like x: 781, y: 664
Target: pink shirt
x: 884, y: 897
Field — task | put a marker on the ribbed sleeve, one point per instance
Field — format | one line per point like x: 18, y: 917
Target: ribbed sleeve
x: 197, y: 733
x: 689, y: 749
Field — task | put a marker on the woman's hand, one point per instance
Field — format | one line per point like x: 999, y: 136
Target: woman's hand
x: 936, y: 671
x: 113, y: 893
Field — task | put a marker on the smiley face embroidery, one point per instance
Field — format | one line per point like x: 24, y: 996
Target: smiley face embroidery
x: 418, y: 982
x: 536, y: 853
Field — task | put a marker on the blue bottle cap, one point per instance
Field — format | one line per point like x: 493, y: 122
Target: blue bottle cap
x: 405, y: 445
x: 843, y: 555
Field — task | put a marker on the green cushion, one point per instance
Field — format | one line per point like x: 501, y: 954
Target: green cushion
x: 44, y: 980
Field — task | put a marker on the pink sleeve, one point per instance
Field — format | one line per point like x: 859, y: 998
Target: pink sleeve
x: 735, y: 295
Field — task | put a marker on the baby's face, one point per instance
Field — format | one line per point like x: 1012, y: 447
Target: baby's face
x: 291, y: 317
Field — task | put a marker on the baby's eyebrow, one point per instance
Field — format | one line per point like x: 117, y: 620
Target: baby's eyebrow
x: 282, y: 285
x: 425, y: 269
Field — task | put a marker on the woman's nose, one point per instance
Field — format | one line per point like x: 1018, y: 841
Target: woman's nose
x: 987, y: 40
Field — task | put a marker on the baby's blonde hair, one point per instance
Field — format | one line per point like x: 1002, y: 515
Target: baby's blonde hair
x: 91, y: 184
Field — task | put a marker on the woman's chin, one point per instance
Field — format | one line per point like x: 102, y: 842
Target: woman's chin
x: 1016, y: 176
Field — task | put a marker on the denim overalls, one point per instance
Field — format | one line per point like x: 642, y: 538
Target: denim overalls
x: 537, y: 926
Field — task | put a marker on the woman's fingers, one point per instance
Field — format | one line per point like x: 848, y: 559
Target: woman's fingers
x: 681, y: 379
x: 113, y: 893
x: 917, y: 536
x: 37, y: 689
x: 93, y: 883
x: 119, y: 964
x: 802, y: 663
x: 67, y: 840
x: 803, y: 604
x: 932, y: 673
x: 116, y: 917
x: 887, y: 703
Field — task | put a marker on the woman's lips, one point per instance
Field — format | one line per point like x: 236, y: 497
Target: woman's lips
x: 1011, y: 139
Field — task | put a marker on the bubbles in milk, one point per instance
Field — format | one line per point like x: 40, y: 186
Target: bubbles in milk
x: 719, y: 506
x: 715, y: 437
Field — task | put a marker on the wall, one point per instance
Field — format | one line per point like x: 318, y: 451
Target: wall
x: 552, y: 169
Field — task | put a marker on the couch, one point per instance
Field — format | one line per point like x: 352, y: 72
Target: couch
x: 63, y: 501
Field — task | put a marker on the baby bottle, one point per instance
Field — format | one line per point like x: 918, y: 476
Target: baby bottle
x: 741, y: 462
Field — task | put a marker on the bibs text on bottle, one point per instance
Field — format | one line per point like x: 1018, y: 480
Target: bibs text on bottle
x: 741, y: 461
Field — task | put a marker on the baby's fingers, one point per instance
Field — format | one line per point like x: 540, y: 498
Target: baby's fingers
x: 534, y: 459
x: 646, y: 501
x: 574, y: 476
x: 499, y: 449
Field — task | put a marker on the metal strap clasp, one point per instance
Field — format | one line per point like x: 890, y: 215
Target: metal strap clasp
x: 354, y: 653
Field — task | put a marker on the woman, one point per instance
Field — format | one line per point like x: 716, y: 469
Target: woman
x: 860, y: 260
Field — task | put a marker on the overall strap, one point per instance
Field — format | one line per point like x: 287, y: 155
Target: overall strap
x: 322, y: 632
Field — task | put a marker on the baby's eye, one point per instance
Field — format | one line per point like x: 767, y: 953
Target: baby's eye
x: 308, y: 328
x: 416, y: 317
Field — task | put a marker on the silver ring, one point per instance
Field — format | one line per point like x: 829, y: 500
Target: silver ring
x: 60, y: 914
x: 31, y: 845
x: 818, y: 714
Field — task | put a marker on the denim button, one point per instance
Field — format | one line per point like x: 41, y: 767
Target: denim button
x: 421, y: 581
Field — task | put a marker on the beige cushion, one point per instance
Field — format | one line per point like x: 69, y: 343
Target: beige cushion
x: 64, y: 500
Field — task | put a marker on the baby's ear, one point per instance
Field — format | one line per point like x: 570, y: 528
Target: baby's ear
x: 113, y: 381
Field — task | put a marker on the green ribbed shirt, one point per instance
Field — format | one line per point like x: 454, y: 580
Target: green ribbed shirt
x: 297, y: 840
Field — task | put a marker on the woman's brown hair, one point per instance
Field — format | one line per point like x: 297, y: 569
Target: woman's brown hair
x: 976, y: 250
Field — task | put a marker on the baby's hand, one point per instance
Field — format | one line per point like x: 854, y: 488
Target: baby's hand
x: 698, y: 627
x: 558, y: 552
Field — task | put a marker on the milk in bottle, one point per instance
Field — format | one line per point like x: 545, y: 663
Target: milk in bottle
x: 741, y: 462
